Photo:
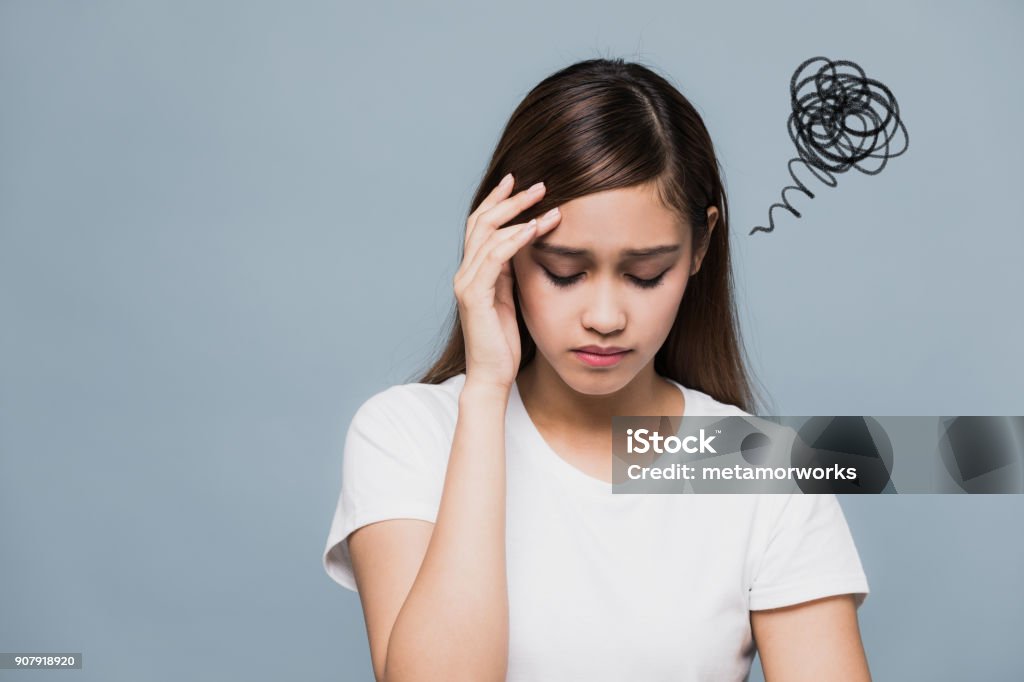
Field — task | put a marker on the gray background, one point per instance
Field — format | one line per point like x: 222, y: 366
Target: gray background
x: 225, y: 225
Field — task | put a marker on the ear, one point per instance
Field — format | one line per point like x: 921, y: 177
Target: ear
x: 702, y: 249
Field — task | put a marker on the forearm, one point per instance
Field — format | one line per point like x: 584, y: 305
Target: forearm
x: 454, y: 622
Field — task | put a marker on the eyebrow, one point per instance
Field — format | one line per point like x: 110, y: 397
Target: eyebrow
x: 626, y: 253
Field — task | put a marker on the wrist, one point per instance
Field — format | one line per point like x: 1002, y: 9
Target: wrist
x: 475, y: 390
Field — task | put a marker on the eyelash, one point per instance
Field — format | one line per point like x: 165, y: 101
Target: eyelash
x: 572, y: 279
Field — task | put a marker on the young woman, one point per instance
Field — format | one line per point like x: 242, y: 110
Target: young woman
x: 476, y: 518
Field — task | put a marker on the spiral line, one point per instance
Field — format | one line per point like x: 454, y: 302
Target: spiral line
x: 841, y: 119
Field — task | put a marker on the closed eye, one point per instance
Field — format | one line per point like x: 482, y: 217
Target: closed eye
x: 572, y: 279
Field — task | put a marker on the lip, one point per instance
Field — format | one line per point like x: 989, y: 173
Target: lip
x: 597, y: 356
x: 601, y: 350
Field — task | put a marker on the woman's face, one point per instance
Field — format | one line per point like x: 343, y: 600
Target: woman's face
x: 611, y: 275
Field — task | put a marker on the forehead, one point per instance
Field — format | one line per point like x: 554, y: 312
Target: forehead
x: 609, y: 221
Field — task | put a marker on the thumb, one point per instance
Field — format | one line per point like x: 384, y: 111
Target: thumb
x: 503, y: 286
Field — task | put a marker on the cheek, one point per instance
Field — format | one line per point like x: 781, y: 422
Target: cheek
x: 659, y: 310
x: 535, y: 301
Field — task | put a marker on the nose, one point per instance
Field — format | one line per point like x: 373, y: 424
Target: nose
x: 604, y: 312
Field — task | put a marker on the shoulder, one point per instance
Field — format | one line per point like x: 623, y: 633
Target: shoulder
x: 413, y: 408
x: 435, y: 396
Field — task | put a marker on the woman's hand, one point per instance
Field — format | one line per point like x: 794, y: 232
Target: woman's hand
x: 483, y: 283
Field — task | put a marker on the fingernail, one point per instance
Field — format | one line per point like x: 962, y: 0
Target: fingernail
x: 504, y: 180
x: 550, y: 214
x: 536, y: 188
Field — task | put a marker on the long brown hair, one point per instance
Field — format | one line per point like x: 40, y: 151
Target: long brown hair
x: 603, y: 124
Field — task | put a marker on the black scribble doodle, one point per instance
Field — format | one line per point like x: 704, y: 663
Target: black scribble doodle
x: 840, y: 120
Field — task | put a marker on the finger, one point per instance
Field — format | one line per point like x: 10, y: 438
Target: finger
x: 497, y: 237
x: 500, y: 191
x: 489, y: 267
x: 507, y: 209
x: 502, y: 212
x: 544, y: 225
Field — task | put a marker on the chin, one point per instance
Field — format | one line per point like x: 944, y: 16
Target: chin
x: 595, y: 381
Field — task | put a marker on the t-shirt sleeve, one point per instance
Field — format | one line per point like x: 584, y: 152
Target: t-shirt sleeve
x: 390, y: 470
x: 809, y: 554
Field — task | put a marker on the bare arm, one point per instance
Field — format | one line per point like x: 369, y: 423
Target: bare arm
x: 453, y: 624
x: 811, y: 641
x: 435, y: 596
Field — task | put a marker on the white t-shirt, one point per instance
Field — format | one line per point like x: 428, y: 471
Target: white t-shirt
x: 602, y: 586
